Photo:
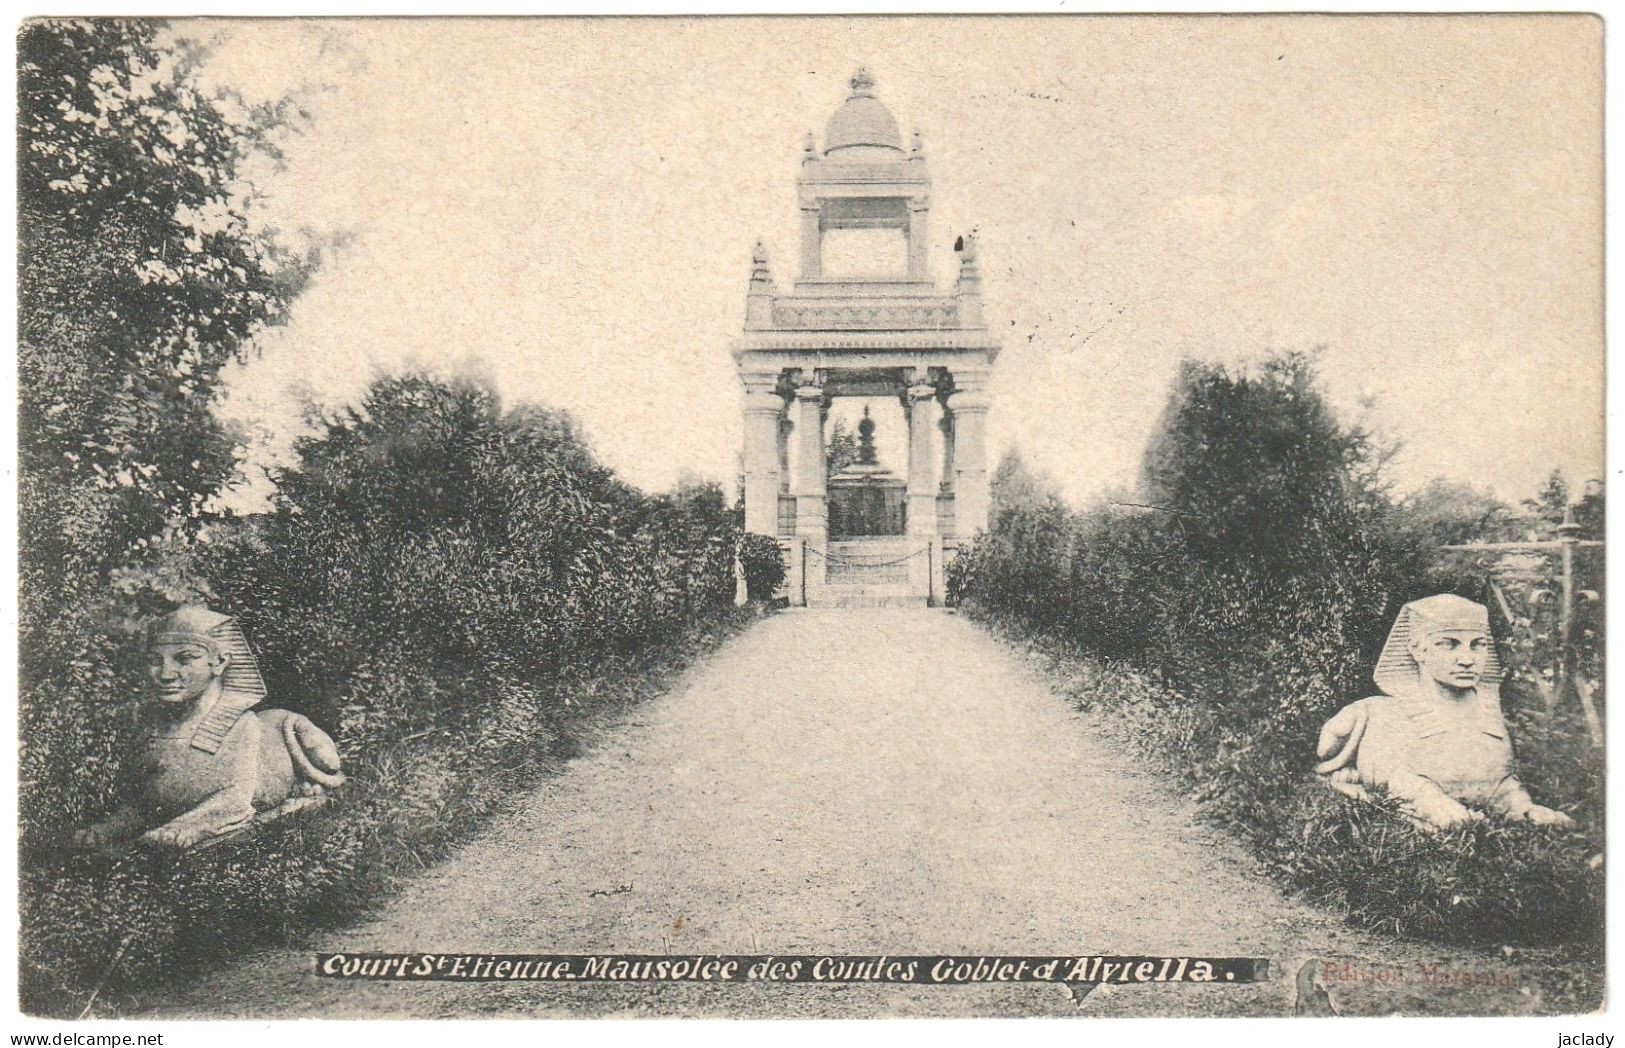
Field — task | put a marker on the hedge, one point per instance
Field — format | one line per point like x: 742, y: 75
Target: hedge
x: 448, y: 589
x: 1240, y: 603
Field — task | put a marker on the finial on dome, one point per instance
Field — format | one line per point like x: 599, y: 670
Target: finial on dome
x: 917, y: 144
x: 864, y: 125
x: 809, y: 147
x: 759, y: 255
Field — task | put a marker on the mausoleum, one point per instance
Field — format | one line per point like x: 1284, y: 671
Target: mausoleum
x: 865, y: 535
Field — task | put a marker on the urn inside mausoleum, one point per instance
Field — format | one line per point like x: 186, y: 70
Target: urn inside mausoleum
x: 866, y: 498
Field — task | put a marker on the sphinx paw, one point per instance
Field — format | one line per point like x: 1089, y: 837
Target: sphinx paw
x: 167, y: 837
x: 1543, y: 816
x: 1446, y: 815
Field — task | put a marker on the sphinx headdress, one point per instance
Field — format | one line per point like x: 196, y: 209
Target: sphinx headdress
x: 1396, y: 672
x: 241, y: 686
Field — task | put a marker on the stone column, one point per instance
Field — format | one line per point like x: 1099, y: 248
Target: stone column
x: 812, y: 244
x: 918, y: 212
x: 924, y: 546
x: 969, y: 404
x: 922, y: 461
x: 764, y: 409
x: 812, y: 513
x: 784, y: 454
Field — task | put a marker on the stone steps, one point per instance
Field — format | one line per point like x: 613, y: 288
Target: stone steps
x: 846, y: 599
x: 858, y: 575
x: 869, y: 562
x: 869, y: 589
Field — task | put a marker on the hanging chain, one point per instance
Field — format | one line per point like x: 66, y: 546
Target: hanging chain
x: 860, y: 562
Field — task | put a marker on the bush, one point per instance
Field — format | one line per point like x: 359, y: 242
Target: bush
x: 1241, y: 612
x: 763, y: 564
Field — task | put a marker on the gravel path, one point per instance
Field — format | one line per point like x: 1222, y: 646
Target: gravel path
x: 851, y: 782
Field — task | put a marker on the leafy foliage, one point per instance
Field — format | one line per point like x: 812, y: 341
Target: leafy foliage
x: 1443, y: 512
x: 426, y: 517
x: 139, y: 279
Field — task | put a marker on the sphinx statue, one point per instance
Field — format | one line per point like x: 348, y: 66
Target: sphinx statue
x: 1435, y: 738
x: 210, y: 763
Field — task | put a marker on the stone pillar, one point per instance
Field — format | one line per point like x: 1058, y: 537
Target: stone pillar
x: 925, y: 553
x: 812, y: 513
x: 812, y: 244
x: 794, y: 585
x: 918, y: 212
x: 969, y: 404
x: 922, y: 461
x: 764, y: 409
x: 784, y: 454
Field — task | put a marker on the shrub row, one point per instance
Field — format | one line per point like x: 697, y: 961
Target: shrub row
x: 1241, y: 613
x: 447, y: 588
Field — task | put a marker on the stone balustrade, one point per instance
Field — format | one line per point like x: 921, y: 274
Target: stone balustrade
x: 800, y: 313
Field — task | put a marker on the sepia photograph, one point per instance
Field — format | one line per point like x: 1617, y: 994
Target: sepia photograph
x: 810, y: 517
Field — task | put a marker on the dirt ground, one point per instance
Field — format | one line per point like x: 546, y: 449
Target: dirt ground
x: 853, y: 781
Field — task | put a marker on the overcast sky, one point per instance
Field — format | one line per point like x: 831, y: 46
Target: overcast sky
x: 570, y: 206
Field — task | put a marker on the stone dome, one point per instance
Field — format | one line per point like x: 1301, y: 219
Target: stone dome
x: 862, y: 127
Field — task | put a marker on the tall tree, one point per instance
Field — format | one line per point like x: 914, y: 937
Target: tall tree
x: 1444, y: 511
x: 1259, y: 465
x: 1551, y: 500
x: 1016, y: 486
x: 140, y: 277
x: 842, y: 449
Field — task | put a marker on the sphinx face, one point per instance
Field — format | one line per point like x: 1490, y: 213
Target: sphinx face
x: 181, y: 672
x: 1453, y: 658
